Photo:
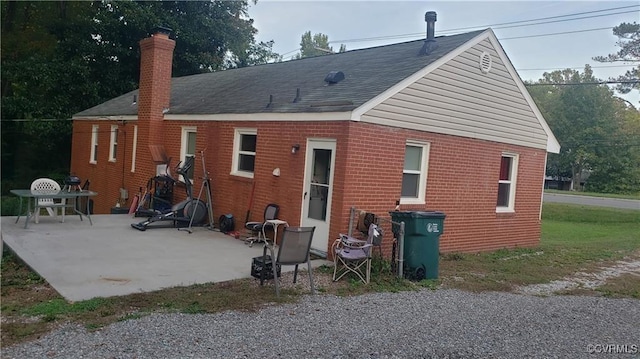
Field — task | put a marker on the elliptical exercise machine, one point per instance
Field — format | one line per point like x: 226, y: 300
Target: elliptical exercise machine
x: 190, y: 211
x: 206, y: 185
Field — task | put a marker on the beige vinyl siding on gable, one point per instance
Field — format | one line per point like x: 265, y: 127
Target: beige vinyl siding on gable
x: 458, y: 99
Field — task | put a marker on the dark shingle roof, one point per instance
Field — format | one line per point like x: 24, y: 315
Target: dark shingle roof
x: 368, y: 72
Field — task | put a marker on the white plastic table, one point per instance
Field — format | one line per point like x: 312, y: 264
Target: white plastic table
x: 275, y: 223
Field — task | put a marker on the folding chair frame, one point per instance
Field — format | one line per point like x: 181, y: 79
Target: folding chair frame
x: 351, y: 255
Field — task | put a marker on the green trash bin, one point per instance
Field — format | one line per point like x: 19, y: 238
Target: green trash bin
x: 421, y: 242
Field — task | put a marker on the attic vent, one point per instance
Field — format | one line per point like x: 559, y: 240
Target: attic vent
x: 334, y: 77
x: 485, y: 62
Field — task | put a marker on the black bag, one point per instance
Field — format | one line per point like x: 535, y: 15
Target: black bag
x: 227, y: 223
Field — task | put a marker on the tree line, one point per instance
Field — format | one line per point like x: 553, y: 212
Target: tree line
x: 59, y: 58
x: 599, y: 132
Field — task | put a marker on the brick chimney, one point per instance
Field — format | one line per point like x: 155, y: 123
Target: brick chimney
x: 156, y: 57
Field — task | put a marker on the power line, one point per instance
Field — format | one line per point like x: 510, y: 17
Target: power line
x: 496, y: 26
x: 584, y: 83
x: 508, y: 38
x: 548, y: 18
x: 554, y: 33
x: 574, y: 68
x: 501, y: 39
x: 564, y: 20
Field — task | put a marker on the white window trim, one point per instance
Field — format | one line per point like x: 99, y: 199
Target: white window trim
x: 186, y: 130
x: 422, y: 183
x: 94, y: 144
x: 135, y: 148
x: 113, y: 143
x: 511, y: 208
x: 236, y: 151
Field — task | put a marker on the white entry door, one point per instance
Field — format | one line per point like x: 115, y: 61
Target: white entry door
x: 318, y: 189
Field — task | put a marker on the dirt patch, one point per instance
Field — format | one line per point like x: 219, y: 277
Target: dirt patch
x: 584, y: 280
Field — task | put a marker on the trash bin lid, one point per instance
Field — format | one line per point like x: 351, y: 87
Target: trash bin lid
x: 417, y: 214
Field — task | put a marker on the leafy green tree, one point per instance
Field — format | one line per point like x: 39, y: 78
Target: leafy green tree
x: 316, y: 45
x: 61, y: 57
x: 629, y: 42
x: 592, y: 126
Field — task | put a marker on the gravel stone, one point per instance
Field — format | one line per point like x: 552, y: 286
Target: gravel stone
x: 422, y: 324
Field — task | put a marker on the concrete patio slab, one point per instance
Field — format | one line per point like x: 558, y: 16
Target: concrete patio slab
x: 109, y: 258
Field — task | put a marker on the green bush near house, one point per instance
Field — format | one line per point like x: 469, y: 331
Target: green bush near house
x: 9, y: 205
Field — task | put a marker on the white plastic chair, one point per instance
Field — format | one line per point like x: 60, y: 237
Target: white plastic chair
x: 47, y: 185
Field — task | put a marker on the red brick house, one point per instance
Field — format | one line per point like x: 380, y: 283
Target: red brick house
x: 443, y: 124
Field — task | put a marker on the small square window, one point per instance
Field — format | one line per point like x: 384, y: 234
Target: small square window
x: 244, y: 152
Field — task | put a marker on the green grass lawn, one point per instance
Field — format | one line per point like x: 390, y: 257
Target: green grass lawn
x: 574, y: 238
x: 593, y: 194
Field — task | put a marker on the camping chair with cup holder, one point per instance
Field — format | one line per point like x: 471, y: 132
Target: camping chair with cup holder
x: 353, y: 255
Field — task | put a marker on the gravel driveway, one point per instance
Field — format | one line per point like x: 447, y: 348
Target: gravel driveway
x: 424, y: 324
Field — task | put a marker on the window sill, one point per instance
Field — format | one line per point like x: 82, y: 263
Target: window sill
x: 242, y: 174
x: 93, y: 162
x: 412, y: 201
x: 504, y: 210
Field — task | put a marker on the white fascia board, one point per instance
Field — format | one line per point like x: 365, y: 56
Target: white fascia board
x: 553, y: 145
x: 105, y: 118
x: 270, y: 116
x: 358, y: 112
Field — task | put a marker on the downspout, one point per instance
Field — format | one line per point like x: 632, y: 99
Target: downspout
x: 401, y: 251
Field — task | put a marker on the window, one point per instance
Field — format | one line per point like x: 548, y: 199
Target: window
x: 113, y: 148
x: 135, y: 148
x: 507, y: 183
x: 188, y: 147
x: 94, y: 144
x: 414, y: 174
x: 244, y: 152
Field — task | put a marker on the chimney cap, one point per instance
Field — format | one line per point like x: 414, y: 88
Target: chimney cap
x: 162, y: 30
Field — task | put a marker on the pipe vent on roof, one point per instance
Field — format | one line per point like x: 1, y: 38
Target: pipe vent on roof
x: 334, y: 77
x: 430, y: 44
x: 485, y: 62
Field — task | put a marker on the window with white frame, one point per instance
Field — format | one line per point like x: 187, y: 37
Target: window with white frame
x: 507, y: 183
x: 113, y: 147
x: 188, y: 147
x: 414, y: 173
x: 244, y: 152
x: 94, y: 144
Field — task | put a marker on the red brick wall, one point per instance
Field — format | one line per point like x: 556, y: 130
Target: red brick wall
x: 462, y: 182
x: 462, y: 178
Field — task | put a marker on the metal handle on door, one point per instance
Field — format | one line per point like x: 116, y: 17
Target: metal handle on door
x: 305, y: 196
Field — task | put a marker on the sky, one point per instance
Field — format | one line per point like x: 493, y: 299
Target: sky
x: 586, y: 33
